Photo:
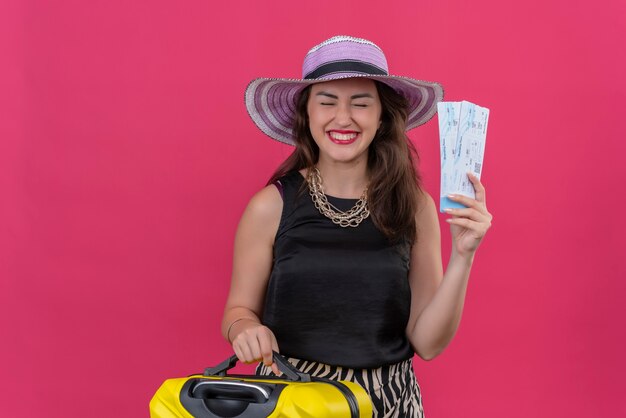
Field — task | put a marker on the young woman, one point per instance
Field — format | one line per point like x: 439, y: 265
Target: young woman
x: 337, y: 262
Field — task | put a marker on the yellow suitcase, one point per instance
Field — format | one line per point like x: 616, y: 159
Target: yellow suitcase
x: 295, y: 394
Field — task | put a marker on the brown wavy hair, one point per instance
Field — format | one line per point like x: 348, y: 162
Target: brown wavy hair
x: 394, y: 183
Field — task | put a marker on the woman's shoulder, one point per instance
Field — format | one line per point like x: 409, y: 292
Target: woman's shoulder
x: 267, y: 202
x: 427, y: 224
x: 424, y: 199
x: 426, y: 207
x: 259, y: 221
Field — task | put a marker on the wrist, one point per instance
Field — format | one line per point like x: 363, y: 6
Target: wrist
x: 231, y: 332
x: 466, y: 258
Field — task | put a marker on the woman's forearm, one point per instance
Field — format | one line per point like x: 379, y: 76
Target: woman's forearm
x: 439, y: 321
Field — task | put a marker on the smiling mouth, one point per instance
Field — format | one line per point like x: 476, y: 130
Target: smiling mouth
x: 343, y: 137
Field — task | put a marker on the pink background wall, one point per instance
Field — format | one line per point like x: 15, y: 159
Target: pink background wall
x: 127, y: 157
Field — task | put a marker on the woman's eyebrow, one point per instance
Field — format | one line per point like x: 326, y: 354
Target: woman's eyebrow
x: 354, y: 96
x: 361, y: 95
x: 323, y: 93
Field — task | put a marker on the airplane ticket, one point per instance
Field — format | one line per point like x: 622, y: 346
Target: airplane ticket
x: 462, y: 136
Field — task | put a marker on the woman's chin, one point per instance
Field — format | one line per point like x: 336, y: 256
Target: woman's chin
x: 344, y: 156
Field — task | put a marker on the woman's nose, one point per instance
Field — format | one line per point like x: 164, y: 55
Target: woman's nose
x: 344, y: 114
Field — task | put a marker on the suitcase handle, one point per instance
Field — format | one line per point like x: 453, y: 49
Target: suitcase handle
x: 223, y: 398
x: 208, y: 389
x: 283, y: 365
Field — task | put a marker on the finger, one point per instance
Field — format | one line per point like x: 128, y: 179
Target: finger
x: 244, y: 349
x: 255, y: 350
x: 481, y: 194
x: 469, y: 213
x: 238, y: 352
x: 469, y: 202
x: 273, y: 346
x: 265, y: 345
x: 478, y: 215
x: 274, y: 343
x: 478, y: 228
x: 275, y: 370
x: 253, y: 344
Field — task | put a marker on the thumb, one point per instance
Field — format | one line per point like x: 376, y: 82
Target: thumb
x: 274, y: 366
x: 275, y: 344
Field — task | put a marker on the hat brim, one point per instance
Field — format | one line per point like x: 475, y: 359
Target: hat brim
x: 271, y: 102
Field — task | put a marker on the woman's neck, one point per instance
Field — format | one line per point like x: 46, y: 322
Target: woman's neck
x: 344, y: 180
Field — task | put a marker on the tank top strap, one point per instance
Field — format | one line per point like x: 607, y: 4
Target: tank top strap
x: 290, y: 185
x: 290, y: 188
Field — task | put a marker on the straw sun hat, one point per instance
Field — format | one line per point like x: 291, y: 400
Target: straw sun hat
x: 271, y: 102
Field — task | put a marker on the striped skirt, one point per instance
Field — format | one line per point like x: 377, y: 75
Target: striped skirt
x: 393, y: 389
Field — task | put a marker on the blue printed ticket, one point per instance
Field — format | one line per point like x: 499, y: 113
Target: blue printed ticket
x: 462, y: 136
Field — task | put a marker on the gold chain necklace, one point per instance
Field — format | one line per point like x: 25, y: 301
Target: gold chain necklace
x: 352, y: 217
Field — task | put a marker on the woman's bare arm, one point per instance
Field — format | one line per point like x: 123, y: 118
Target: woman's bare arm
x: 438, y: 298
x: 252, y: 262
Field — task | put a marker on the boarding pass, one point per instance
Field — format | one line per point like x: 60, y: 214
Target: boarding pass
x: 462, y: 135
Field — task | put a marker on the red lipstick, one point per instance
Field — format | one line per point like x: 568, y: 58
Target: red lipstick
x: 342, y: 137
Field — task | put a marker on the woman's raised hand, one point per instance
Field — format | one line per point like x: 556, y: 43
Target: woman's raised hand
x: 254, y: 342
x: 469, y: 225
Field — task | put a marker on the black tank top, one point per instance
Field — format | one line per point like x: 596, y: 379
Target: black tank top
x: 336, y: 295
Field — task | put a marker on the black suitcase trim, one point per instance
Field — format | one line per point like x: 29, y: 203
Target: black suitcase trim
x: 352, y: 401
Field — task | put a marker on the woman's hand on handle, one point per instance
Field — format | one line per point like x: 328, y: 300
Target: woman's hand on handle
x: 469, y: 225
x: 254, y: 342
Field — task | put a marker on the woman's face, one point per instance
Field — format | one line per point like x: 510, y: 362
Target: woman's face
x: 343, y: 118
